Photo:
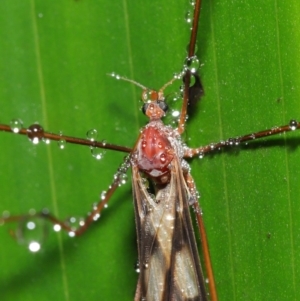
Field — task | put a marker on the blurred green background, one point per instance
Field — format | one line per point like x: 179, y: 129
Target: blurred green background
x: 54, y: 59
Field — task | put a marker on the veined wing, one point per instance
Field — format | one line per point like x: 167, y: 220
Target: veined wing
x: 168, y: 257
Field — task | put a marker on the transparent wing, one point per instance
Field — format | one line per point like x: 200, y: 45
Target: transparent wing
x: 168, y: 256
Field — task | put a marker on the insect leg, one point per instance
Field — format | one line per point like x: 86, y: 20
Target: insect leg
x: 204, y: 243
x: 119, y: 179
x: 200, y: 151
x: 187, y: 76
x: 36, y: 133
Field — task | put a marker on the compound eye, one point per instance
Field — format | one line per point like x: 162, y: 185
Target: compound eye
x: 163, y: 106
x: 145, y: 107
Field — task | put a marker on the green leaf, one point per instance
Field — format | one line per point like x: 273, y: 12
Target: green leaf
x: 251, y: 193
x: 54, y: 61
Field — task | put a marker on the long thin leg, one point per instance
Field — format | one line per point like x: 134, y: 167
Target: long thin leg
x: 204, y: 243
x: 90, y: 218
x: 36, y: 133
x: 191, y: 54
x: 189, y: 179
x: 200, y: 151
x: 206, y: 255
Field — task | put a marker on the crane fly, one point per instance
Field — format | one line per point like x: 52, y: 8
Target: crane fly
x: 233, y: 141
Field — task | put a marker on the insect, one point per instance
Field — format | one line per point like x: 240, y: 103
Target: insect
x: 235, y: 288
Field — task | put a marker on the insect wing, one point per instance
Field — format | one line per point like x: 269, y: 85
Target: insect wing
x: 168, y: 257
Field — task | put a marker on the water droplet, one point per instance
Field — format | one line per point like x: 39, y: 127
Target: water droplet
x: 201, y: 155
x: 181, y: 89
x: 192, y: 2
x: 293, y: 125
x: 104, y: 142
x: 122, y: 178
x: 103, y: 195
x: 192, y: 64
x: 16, y: 125
x: 32, y: 231
x: 177, y: 75
x: 237, y: 141
x: 189, y: 152
x: 35, y: 133
x: 75, y: 223
x: 6, y: 214
x: 31, y: 225
x: 92, y: 134
x: 71, y: 234
x: 174, y: 101
x: 116, y: 76
x: 72, y: 219
x: 57, y: 228
x: 163, y: 158
x: 188, y: 17
x: 97, y: 153
x: 34, y: 246
x: 45, y: 211
x: 149, y: 95
x: 137, y: 267
x: 175, y: 114
x: 230, y: 141
x: 96, y: 216
x: 145, y: 182
x: 62, y: 143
